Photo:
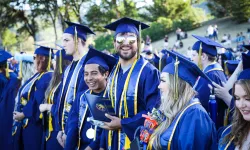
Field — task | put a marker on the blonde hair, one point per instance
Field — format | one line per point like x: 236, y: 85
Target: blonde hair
x: 27, y: 71
x: 169, y: 107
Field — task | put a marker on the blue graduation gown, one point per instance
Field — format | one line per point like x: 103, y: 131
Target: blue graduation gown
x: 148, y: 97
x: 9, y: 88
x: 31, y: 135
x: 222, y: 145
x: 195, y: 130
x: 52, y: 143
x: 80, y: 86
x: 74, y: 125
x: 217, y: 76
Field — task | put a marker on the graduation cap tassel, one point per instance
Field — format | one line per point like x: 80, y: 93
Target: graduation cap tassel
x: 60, y: 61
x: 7, y: 71
x: 48, y: 67
x: 199, y: 57
x: 139, y: 45
x: 176, y: 79
x: 225, y: 67
x: 76, y: 40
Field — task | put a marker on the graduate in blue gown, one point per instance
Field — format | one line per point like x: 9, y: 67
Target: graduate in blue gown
x: 206, y: 48
x: 74, y: 43
x: 81, y: 133
x: 8, y: 89
x: 187, y: 124
x: 237, y: 135
x: 27, y: 128
x: 51, y: 97
x: 132, y: 86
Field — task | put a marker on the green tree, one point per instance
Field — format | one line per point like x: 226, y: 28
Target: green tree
x: 238, y: 9
x: 109, y: 10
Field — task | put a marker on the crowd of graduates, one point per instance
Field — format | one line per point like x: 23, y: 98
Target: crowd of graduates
x: 161, y: 101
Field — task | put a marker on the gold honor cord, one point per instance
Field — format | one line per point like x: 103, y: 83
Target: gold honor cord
x: 112, y: 84
x: 60, y: 61
x: 160, y: 64
x: 176, y: 76
x: 199, y: 57
x: 76, y: 40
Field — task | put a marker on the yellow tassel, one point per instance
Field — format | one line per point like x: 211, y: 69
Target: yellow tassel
x: 176, y: 79
x: 60, y: 61
x: 7, y: 71
x: 199, y: 57
x: 41, y: 116
x: 76, y: 40
x: 127, y: 143
x: 139, y: 44
x: 225, y: 67
x: 49, y: 63
x: 21, y: 70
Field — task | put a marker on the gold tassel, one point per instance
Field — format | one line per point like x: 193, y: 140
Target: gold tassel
x: 199, y: 57
x: 20, y: 76
x: 7, y: 71
x: 139, y: 44
x: 76, y: 40
x: 176, y: 79
x: 60, y: 61
x: 226, y: 69
x: 49, y: 63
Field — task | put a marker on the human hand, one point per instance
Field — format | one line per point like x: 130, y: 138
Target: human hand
x: 115, y: 123
x: 18, y: 116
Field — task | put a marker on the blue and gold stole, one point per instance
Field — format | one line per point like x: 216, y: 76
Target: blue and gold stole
x: 229, y: 144
x: 71, y: 90
x: 128, y: 102
x: 49, y: 117
x: 83, y: 108
x: 23, y: 98
x: 169, y: 133
x: 212, y: 67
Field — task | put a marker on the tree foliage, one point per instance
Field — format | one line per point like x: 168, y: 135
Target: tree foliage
x: 238, y: 9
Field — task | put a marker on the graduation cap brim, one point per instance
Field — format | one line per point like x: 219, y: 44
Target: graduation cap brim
x: 246, y: 47
x: 110, y: 60
x: 44, y: 50
x: 208, y: 41
x: 83, y: 27
x: 192, y: 67
x: 112, y: 26
x: 246, y: 61
x: 4, y: 55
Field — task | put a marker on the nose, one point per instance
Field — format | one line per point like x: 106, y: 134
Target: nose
x: 159, y: 86
x: 126, y: 41
x: 241, y: 103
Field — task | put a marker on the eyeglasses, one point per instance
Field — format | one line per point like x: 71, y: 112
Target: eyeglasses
x: 121, y: 39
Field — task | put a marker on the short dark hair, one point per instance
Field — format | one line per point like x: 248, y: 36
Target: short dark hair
x: 102, y: 70
x: 210, y: 57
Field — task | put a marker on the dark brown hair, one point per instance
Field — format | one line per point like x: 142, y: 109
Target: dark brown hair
x: 56, y: 78
x: 42, y: 63
x: 240, y: 127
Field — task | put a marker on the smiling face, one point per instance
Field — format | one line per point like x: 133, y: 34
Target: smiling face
x: 93, y: 78
x: 126, y: 45
x: 242, y: 101
x: 68, y: 43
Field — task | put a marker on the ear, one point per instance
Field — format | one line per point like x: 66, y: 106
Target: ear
x: 203, y: 56
x: 106, y: 74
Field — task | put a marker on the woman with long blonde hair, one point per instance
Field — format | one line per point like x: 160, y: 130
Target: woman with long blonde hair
x: 187, y: 124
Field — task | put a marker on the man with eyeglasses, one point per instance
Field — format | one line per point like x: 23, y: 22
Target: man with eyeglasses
x: 132, y: 86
